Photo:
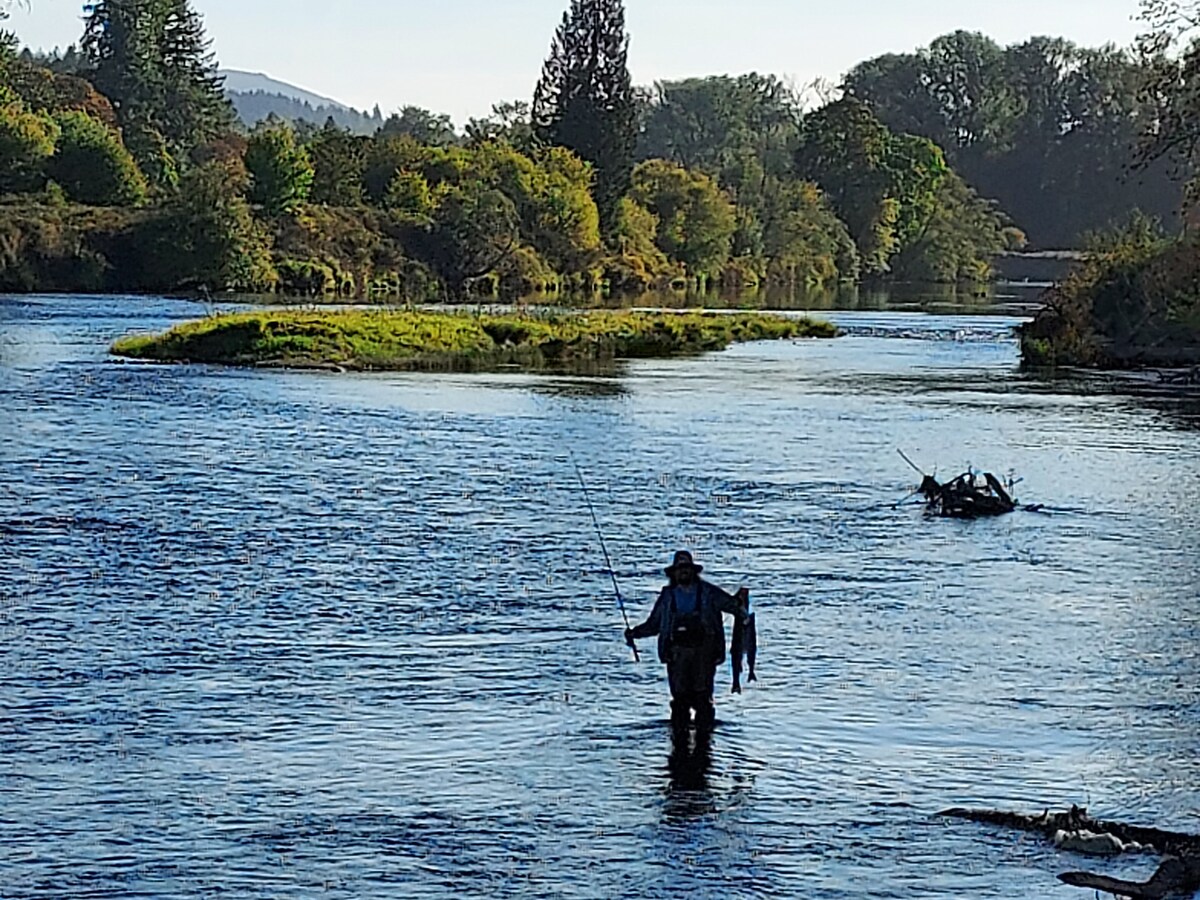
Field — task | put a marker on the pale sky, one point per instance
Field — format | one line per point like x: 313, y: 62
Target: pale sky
x: 460, y: 56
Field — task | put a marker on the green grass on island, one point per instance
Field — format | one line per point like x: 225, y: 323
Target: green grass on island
x: 463, y: 341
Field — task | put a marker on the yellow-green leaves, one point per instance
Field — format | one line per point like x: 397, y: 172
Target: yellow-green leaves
x: 407, y: 339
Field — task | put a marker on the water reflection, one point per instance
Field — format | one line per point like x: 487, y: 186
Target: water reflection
x: 1179, y: 404
x: 1015, y: 298
x: 582, y: 388
x: 688, y: 794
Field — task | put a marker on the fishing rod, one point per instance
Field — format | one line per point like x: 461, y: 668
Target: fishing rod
x: 904, y: 456
x: 607, y: 560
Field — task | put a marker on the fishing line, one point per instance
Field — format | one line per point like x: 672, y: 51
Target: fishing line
x: 587, y: 496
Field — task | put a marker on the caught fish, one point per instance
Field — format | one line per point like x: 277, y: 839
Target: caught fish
x: 751, y: 647
x: 744, y: 646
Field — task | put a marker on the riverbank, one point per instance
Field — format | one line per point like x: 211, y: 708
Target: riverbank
x: 457, y: 341
x: 1134, y: 304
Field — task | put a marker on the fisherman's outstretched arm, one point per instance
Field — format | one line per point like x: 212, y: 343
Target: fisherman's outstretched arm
x: 652, y: 625
x: 732, y: 604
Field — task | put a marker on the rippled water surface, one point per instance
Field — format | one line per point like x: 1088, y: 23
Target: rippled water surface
x: 271, y: 634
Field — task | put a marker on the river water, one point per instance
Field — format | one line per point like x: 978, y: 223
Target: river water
x: 283, y: 634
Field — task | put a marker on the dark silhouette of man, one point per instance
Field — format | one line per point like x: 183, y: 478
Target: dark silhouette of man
x: 691, y: 637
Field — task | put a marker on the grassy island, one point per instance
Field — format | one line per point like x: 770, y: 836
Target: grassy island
x: 461, y: 341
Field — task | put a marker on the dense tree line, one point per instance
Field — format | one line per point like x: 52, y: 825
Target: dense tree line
x: 1046, y: 128
x: 1137, y: 300
x: 832, y: 184
x: 123, y: 167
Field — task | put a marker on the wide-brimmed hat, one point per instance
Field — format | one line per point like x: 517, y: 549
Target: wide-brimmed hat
x: 684, y: 558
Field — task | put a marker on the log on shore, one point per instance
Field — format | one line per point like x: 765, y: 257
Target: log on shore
x: 1177, y: 876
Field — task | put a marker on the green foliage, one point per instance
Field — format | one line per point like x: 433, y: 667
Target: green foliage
x: 584, y: 100
x: 384, y: 158
x: 474, y: 229
x: 525, y: 272
x: 1045, y: 127
x: 339, y: 162
x: 421, y: 125
x: 26, y: 141
x: 281, y: 175
x: 10, y: 48
x: 746, y: 192
x: 206, y: 237
x: 561, y: 217
x: 695, y: 219
x: 907, y: 212
x: 543, y: 204
x: 639, y: 263
x: 152, y: 59
x: 847, y: 151
x: 968, y: 78
x: 356, y: 244
x: 49, y: 245
x: 737, y: 129
x: 744, y: 132
x: 409, y: 198
x: 1136, y: 302
x: 804, y: 243
x: 43, y: 90
x: 1171, y: 88
x: 150, y: 151
x: 92, y: 165
x: 918, y: 170
x: 555, y: 209
x: 844, y: 150
x: 509, y: 122
x: 302, y: 277
x: 959, y: 239
x: 412, y: 340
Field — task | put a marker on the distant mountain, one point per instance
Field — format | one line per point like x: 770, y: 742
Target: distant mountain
x: 238, y: 82
x: 257, y: 97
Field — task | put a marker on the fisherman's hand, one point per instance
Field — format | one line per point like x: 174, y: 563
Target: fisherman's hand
x: 742, y: 598
x: 629, y: 637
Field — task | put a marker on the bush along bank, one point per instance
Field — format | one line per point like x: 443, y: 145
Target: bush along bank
x: 1134, y: 304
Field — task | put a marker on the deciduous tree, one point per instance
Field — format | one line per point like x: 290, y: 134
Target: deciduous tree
x: 26, y: 141
x: 92, y: 165
x: 281, y: 175
x: 339, y: 161
x: 695, y: 219
x: 421, y: 125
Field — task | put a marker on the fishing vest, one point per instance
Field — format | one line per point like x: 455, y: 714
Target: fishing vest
x: 688, y: 630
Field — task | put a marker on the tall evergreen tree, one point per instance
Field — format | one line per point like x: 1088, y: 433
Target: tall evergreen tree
x: 153, y: 60
x: 585, y: 101
x: 197, y: 109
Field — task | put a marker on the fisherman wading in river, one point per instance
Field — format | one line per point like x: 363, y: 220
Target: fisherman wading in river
x: 691, y: 637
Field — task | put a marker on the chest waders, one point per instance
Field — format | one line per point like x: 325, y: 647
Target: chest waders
x: 690, y: 667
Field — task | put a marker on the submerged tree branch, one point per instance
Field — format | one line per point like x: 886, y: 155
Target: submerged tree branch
x: 1177, y: 876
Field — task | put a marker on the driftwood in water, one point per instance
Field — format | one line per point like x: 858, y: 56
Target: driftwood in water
x: 1187, y: 376
x: 1178, y: 876
x: 966, y: 497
